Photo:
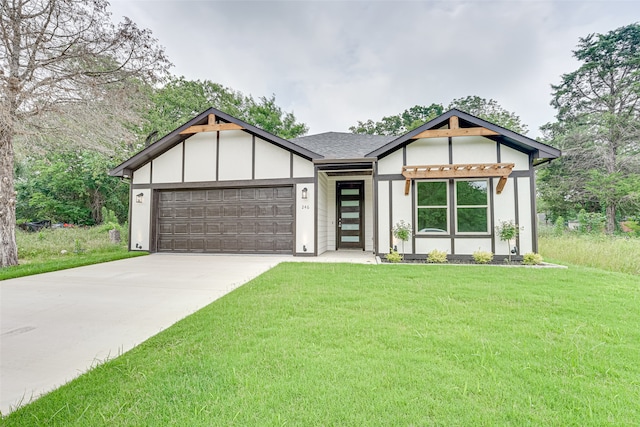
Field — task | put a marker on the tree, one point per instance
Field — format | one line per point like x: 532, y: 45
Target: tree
x: 598, y: 121
x: 490, y: 111
x: 399, y: 124
x: 417, y: 115
x: 180, y: 99
x: 55, y: 54
x: 69, y: 186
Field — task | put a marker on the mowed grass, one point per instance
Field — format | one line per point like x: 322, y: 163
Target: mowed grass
x: 355, y: 345
x: 621, y: 254
x: 42, y: 252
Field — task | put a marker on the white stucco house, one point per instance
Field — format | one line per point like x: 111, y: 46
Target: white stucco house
x: 219, y: 185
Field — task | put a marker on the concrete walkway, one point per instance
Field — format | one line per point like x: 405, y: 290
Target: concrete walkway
x: 55, y: 326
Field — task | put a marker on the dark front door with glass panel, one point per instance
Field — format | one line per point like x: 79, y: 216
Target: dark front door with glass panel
x: 350, y: 198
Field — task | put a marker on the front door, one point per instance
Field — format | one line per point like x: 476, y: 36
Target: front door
x: 350, y: 215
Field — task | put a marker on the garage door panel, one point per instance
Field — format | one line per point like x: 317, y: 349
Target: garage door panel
x: 230, y: 220
x: 230, y: 211
x: 284, y: 210
x: 180, y: 212
x: 198, y: 195
x: 196, y: 228
x: 182, y: 196
x: 230, y: 195
x: 197, y: 212
x: 213, y: 228
x: 250, y: 211
x: 213, y: 211
x: 214, y: 195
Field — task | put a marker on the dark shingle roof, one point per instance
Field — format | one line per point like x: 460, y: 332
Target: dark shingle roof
x: 339, y: 145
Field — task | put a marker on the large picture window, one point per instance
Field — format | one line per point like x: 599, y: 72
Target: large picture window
x: 471, y: 206
x: 433, y: 197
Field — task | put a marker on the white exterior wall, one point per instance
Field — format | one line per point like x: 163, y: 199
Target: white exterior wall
x: 200, y: 157
x: 302, y: 168
x: 474, y: 149
x: 509, y: 155
x: 469, y: 246
x: 402, y: 209
x: 428, y: 151
x: 524, y: 216
x: 323, y: 230
x: 142, y: 175
x: 140, y: 220
x: 383, y: 218
x: 504, y: 209
x: 168, y: 166
x: 236, y: 153
x: 391, y: 164
x: 305, y: 219
x: 424, y: 246
x: 271, y: 161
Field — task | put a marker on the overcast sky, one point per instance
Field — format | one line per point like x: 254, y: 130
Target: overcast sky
x: 336, y: 62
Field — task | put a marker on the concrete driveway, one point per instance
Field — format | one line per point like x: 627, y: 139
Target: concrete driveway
x: 55, y: 326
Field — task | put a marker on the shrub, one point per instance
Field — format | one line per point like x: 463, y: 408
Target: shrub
x: 402, y: 231
x: 437, y: 257
x: 394, y: 256
x: 531, y: 258
x: 558, y: 226
x: 482, y: 257
x: 590, y: 222
x: 508, y: 231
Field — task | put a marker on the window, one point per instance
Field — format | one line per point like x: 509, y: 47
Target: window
x: 471, y: 206
x: 433, y: 197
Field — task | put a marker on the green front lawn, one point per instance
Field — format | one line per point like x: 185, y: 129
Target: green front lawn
x: 362, y: 345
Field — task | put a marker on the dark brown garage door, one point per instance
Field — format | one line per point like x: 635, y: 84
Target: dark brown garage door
x: 226, y: 220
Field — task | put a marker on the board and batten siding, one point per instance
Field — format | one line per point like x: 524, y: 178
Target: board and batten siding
x: 515, y: 203
x: 323, y: 230
x: 218, y: 157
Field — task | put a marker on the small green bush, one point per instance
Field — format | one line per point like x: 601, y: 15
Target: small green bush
x: 394, y: 256
x: 482, y: 257
x: 437, y: 257
x: 558, y: 227
x: 531, y: 258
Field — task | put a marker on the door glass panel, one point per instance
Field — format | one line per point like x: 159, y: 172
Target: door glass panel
x: 351, y: 226
x: 354, y: 239
x: 351, y: 203
x: 351, y: 215
x: 350, y: 191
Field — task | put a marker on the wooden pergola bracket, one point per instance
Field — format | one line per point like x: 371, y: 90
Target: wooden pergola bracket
x: 454, y: 130
x: 468, y: 170
x: 211, y: 126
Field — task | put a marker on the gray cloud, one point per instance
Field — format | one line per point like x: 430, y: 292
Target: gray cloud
x: 336, y: 62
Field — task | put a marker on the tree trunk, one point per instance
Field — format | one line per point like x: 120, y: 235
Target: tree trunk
x: 610, y: 227
x: 8, y: 246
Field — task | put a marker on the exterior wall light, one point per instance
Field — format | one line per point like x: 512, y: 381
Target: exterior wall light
x: 305, y: 193
x: 139, y: 197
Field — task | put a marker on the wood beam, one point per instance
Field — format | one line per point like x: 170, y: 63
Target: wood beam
x: 407, y: 187
x: 212, y: 119
x: 439, y: 133
x: 211, y: 128
x: 469, y: 170
x: 453, y: 122
x: 501, y: 184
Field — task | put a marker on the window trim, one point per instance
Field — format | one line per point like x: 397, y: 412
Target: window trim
x: 452, y: 187
x: 446, y: 206
x: 487, y: 206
